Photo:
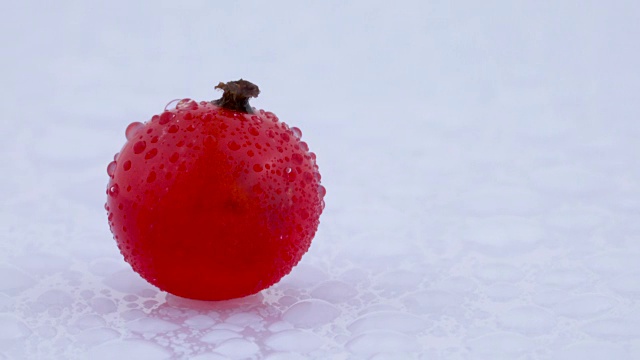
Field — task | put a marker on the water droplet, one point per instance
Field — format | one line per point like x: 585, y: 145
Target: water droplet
x: 154, y: 139
x: 151, y: 177
x: 127, y: 165
x: 307, y: 177
x: 180, y: 143
x: 151, y: 154
x: 296, y: 132
x: 257, y: 167
x: 173, y: 129
x: 139, y: 147
x: 132, y: 129
x: 305, y: 147
x: 191, y: 127
x: 297, y: 158
x: 128, y: 188
x: 285, y: 137
x: 186, y: 104
x: 114, y: 190
x: 233, y: 145
x: 115, y: 156
x: 207, y: 117
x: 106, y: 206
x: 111, y: 168
x: 317, y: 176
x: 322, y: 191
x: 250, y: 153
x: 287, y: 170
x: 166, y: 117
x: 322, y: 204
x: 253, y: 131
x: 188, y: 116
x: 170, y: 103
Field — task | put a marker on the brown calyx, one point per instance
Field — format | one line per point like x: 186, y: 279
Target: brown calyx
x: 236, y: 95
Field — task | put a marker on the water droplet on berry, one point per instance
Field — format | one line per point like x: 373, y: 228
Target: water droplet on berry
x: 296, y: 132
x: 152, y: 177
x: 287, y: 170
x: 307, y: 177
x: 173, y: 129
x: 207, y: 117
x: 170, y: 103
x: 166, y: 117
x: 114, y: 190
x: 297, y: 158
x: 188, y: 116
x: 154, y: 139
x: 127, y: 165
x: 253, y: 131
x: 285, y: 137
x: 250, y: 153
x: 303, y: 145
x: 115, y: 156
x: 132, y: 129
x: 257, y: 168
x: 186, y: 104
x: 151, y: 154
x: 139, y: 147
x: 111, y: 168
x: 322, y: 191
x: 191, y: 127
x: 232, y: 145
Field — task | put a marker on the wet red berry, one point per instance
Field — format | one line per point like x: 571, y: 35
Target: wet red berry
x: 221, y: 200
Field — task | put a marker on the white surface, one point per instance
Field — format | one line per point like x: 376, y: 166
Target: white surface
x: 481, y: 161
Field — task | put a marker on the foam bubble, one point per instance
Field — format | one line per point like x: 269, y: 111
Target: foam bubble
x: 310, y: 313
x: 294, y: 340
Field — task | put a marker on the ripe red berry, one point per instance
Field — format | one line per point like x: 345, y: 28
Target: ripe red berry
x: 214, y: 200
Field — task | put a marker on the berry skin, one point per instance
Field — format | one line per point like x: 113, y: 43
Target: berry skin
x: 214, y: 200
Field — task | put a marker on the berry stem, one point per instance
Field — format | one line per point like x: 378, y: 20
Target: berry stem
x: 236, y: 95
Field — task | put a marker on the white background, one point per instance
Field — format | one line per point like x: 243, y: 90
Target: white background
x: 481, y: 162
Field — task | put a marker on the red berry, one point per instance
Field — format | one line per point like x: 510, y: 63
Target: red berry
x: 214, y: 200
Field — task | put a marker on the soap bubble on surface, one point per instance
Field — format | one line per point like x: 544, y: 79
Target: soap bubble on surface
x: 334, y: 291
x: 219, y: 335
x: 311, y: 313
x: 388, y: 320
x: 129, y: 349
x: 237, y: 348
x: 503, y: 345
x: 294, y: 341
x: 528, y: 319
x: 151, y: 325
x: 381, y: 341
x: 584, y: 306
x: 592, y: 350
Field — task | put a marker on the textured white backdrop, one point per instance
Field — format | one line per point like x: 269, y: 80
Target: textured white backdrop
x: 481, y: 161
